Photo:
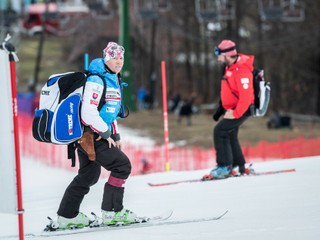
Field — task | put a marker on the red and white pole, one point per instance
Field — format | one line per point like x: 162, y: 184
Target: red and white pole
x: 12, y: 60
x: 165, y: 114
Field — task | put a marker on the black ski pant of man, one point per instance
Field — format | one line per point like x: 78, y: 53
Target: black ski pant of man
x: 225, y: 137
x: 112, y: 159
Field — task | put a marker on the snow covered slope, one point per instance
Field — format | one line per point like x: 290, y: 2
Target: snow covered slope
x: 281, y: 206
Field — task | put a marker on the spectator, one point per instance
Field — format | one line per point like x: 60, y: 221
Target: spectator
x: 174, y: 102
x: 186, y: 109
x: 142, y: 92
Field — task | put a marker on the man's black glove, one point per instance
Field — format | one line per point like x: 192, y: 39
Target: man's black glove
x: 220, y: 111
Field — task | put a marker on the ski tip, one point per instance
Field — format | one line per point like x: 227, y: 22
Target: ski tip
x: 169, y: 213
x: 166, y: 214
x: 222, y: 215
x: 288, y: 170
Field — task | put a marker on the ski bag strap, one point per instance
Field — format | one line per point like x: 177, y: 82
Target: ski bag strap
x: 72, y: 154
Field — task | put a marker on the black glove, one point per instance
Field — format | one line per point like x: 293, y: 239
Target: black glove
x: 220, y: 111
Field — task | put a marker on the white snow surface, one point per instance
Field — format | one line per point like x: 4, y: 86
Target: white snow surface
x: 280, y: 206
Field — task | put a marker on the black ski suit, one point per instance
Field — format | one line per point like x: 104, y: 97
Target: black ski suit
x: 112, y: 159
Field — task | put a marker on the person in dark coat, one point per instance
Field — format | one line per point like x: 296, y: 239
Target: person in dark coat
x: 185, y: 110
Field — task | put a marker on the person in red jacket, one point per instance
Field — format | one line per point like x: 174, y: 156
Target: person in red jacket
x: 236, y: 97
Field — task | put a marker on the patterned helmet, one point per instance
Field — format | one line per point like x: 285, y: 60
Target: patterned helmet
x: 112, y: 50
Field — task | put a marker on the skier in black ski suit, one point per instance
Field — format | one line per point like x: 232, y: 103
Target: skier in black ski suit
x: 100, y: 145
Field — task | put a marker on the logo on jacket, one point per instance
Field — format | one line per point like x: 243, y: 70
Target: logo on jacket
x: 228, y: 74
x: 110, y: 109
x: 245, y: 83
x: 95, y: 95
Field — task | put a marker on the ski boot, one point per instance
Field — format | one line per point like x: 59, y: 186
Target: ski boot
x: 220, y: 172
x: 62, y: 223
x: 122, y: 217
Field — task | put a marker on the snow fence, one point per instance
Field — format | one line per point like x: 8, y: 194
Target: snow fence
x: 152, y: 159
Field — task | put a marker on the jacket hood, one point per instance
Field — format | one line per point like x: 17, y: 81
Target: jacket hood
x: 96, y: 66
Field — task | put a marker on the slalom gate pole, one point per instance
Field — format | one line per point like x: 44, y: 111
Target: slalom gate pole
x: 9, y: 48
x: 165, y: 114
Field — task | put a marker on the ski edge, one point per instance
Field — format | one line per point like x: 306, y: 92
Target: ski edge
x: 153, y: 220
x: 200, y: 180
x: 173, y: 183
x: 108, y: 228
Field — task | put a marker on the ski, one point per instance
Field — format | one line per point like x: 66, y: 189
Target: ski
x: 160, y: 220
x: 201, y: 180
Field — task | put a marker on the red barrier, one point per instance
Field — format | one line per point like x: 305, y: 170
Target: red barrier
x: 153, y: 160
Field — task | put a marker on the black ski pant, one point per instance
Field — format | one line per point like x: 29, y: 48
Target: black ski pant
x: 226, y: 142
x: 112, y: 159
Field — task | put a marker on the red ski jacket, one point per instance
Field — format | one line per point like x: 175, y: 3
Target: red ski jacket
x: 237, y: 86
